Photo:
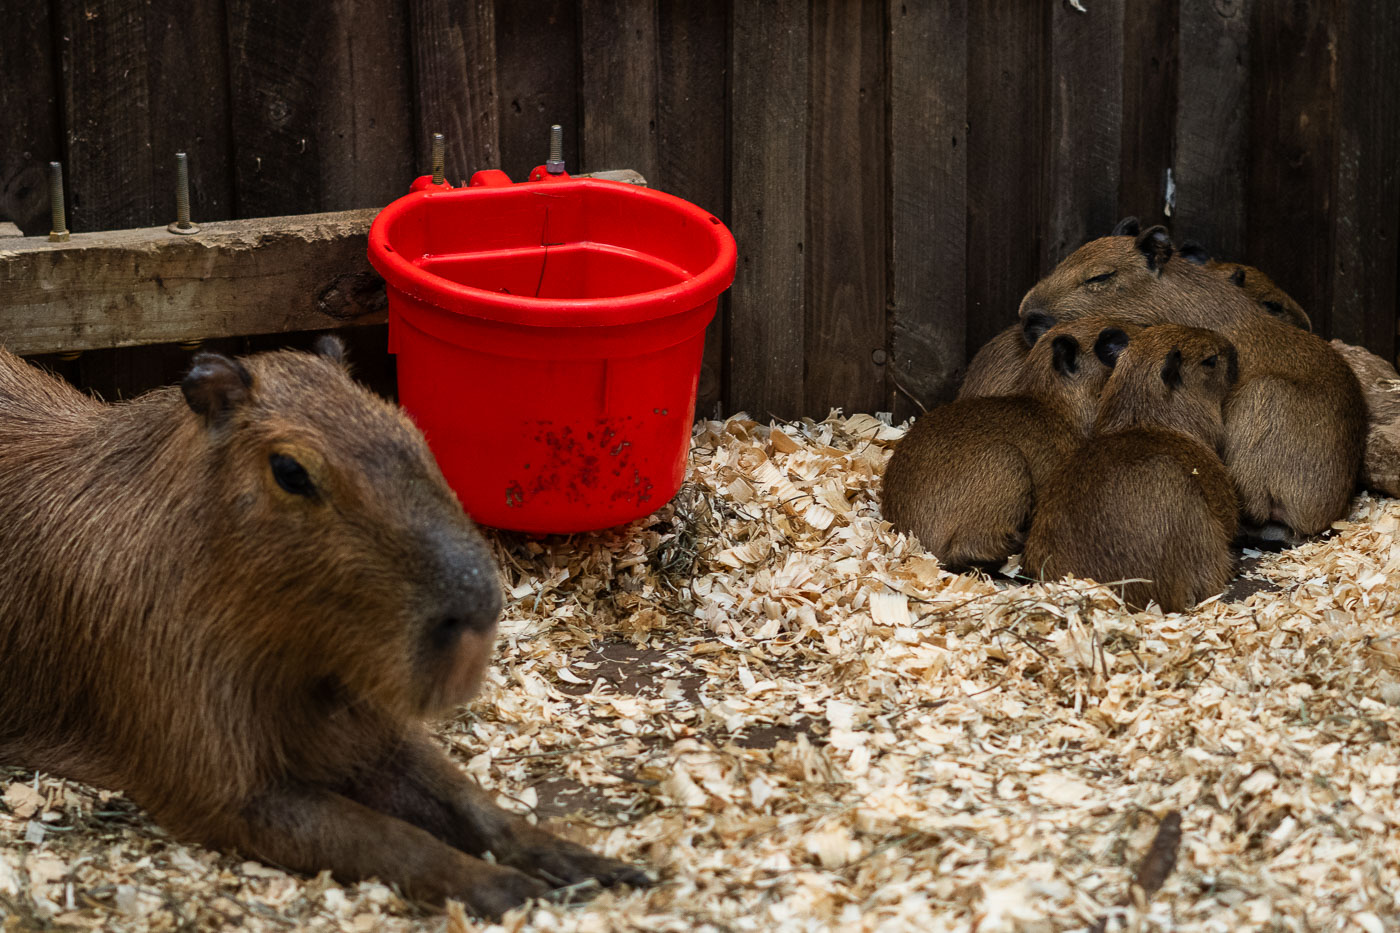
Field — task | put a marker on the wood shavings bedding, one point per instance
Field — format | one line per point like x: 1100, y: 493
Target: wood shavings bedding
x: 802, y: 723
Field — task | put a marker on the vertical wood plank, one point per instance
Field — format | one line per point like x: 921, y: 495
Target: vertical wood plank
x: 692, y: 137
x: 321, y: 105
x: 30, y: 135
x: 107, y: 111
x: 364, y: 125
x: 1366, y: 211
x: 274, y: 61
x: 1289, y: 187
x: 768, y: 127
x: 1212, y: 123
x: 453, y: 46
x: 928, y: 122
x: 1007, y: 126
x: 1150, y: 69
x: 846, y: 259
x: 537, y: 69
x: 619, y: 85
x: 187, y: 73
x: 1086, y: 126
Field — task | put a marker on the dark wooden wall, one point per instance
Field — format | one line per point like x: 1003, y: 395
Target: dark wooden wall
x: 897, y: 173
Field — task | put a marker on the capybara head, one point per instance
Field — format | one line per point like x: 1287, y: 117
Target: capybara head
x: 1167, y: 376
x: 1061, y: 365
x: 1116, y: 274
x: 1262, y: 290
x: 349, y: 559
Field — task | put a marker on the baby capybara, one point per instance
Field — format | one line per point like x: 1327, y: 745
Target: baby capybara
x: 1295, y: 426
x: 1147, y: 498
x: 235, y: 600
x: 999, y: 367
x: 1261, y: 289
x: 964, y: 479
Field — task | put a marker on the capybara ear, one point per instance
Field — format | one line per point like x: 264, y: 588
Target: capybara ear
x: 1110, y: 344
x: 1128, y: 226
x: 215, y: 386
x: 1194, y: 253
x: 1238, y: 276
x: 1035, y: 326
x: 1156, y: 245
x: 331, y: 347
x: 1171, y: 369
x: 1065, y: 350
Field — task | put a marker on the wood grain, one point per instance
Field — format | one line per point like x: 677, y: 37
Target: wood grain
x: 928, y: 212
x: 768, y: 125
x: 537, y: 69
x: 29, y: 133
x: 619, y: 44
x: 107, y: 111
x: 846, y: 261
x: 1289, y: 186
x: 692, y: 133
x: 453, y: 47
x: 1366, y: 210
x: 1150, y: 76
x: 1007, y: 115
x: 1212, y: 123
x: 1086, y: 126
x: 145, y: 286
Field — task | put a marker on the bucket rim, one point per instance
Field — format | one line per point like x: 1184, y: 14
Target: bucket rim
x: 430, y: 288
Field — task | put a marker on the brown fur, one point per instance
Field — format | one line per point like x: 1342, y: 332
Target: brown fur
x: 1263, y: 292
x: 1296, y: 424
x: 996, y: 369
x: 249, y: 663
x: 1147, y: 497
x: 964, y: 479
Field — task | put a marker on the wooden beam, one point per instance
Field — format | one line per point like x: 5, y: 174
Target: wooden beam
x: 234, y: 278
x: 237, y: 277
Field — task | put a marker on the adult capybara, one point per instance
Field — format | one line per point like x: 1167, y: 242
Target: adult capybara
x: 235, y: 601
x: 964, y: 479
x: 1146, y: 498
x: 1296, y: 422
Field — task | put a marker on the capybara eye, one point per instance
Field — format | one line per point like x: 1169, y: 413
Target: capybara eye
x: 1101, y: 277
x: 291, y: 476
x: 1210, y: 361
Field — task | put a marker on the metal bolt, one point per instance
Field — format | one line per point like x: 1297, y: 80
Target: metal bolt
x: 555, y: 164
x: 439, y: 157
x: 182, y: 197
x: 59, y: 232
x: 879, y: 357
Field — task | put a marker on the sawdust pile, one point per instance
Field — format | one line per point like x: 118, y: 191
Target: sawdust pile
x: 801, y: 723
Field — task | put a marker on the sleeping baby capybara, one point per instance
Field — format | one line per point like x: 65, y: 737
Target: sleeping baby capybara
x: 235, y: 601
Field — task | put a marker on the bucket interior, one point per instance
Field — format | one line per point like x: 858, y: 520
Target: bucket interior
x: 570, y: 271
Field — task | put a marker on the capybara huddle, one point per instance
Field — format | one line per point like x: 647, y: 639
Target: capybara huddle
x: 235, y: 600
x: 1288, y: 429
x: 1147, y: 500
x: 988, y: 457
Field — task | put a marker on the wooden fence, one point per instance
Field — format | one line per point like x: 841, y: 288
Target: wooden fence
x: 896, y: 173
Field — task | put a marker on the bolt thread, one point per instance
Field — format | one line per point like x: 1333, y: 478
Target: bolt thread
x: 60, y: 225
x: 439, y: 157
x: 182, y: 190
x: 556, y: 143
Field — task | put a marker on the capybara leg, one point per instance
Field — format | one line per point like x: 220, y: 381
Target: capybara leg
x: 422, y: 786
x: 309, y: 829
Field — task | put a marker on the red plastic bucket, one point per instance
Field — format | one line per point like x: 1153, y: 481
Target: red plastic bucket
x: 549, y: 337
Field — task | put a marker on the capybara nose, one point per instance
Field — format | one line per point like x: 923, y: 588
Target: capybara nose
x: 445, y: 631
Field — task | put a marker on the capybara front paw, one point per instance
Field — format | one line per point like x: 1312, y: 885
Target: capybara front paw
x: 563, y: 863
x: 491, y: 893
